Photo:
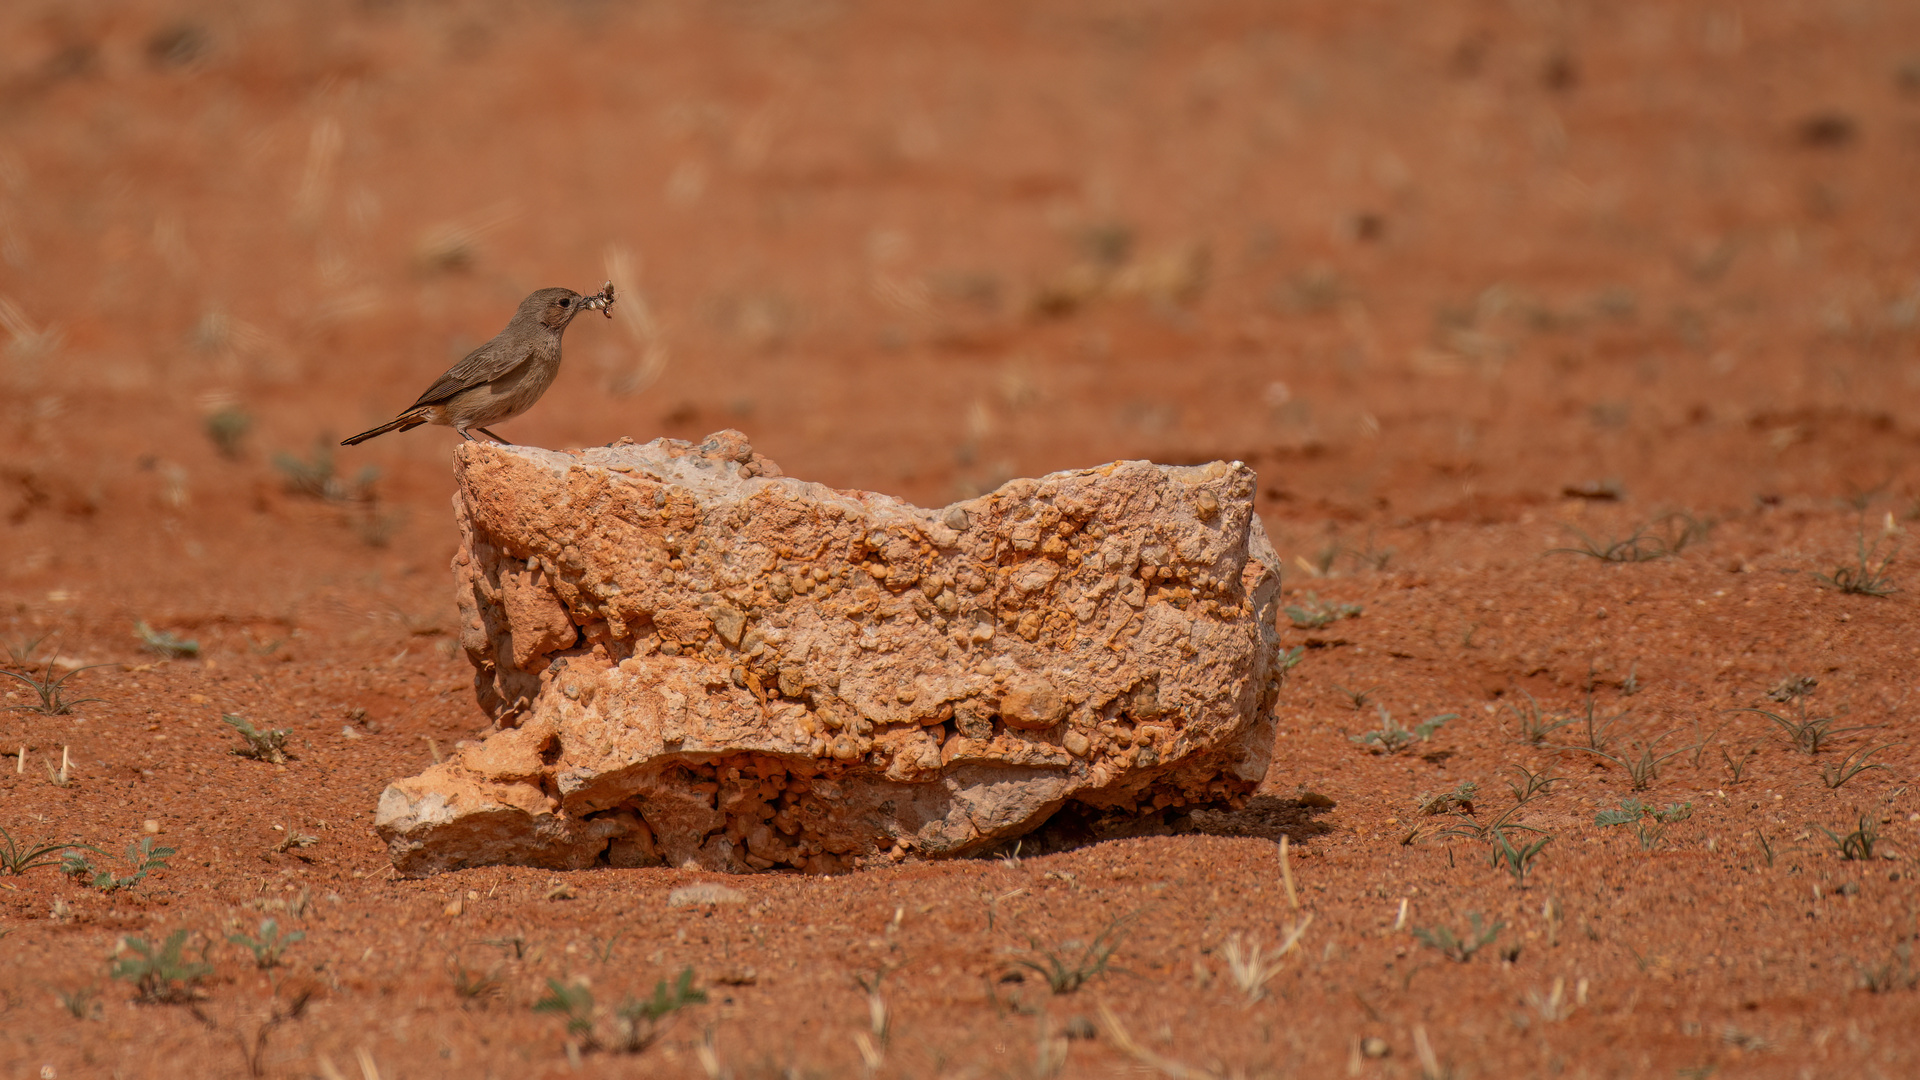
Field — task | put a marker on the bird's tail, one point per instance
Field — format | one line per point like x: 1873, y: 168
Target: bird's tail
x: 404, y: 421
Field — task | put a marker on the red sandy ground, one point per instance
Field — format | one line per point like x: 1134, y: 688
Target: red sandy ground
x: 1462, y: 281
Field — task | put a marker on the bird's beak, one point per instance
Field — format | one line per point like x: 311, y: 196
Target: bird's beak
x: 602, y: 300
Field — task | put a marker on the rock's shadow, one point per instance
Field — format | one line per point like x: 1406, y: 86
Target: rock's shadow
x: 1075, y: 827
x: 1264, y: 816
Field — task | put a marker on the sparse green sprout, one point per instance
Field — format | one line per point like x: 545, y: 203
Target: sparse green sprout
x: 472, y: 986
x: 1459, y: 947
x: 269, y: 945
x: 572, y: 1001
x: 269, y: 746
x: 170, y: 645
x: 1391, y: 738
x: 1736, y: 769
x: 1851, y: 766
x: 1517, y: 861
x: 1858, y: 844
x: 1643, y: 770
x: 1597, y: 726
x: 1898, y: 973
x: 315, y: 478
x: 1649, y: 823
x: 143, y: 856
x: 51, y: 691
x: 637, y: 1023
x: 1868, y: 574
x: 82, y: 1003
x: 1533, y: 786
x: 1808, y: 733
x: 226, y: 427
x: 1312, y: 614
x: 1357, y: 698
x: 1291, y: 658
x: 376, y: 528
x: 1657, y: 539
x: 1075, y: 963
x: 20, y: 652
x: 15, y: 859
x: 160, y: 975
x: 1536, y: 725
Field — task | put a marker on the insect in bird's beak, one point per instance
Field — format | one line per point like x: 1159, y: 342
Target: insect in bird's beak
x: 603, y: 300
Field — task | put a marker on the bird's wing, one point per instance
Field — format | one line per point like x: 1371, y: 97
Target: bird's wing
x: 482, y: 365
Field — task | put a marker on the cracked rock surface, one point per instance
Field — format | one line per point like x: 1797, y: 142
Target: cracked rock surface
x: 691, y: 659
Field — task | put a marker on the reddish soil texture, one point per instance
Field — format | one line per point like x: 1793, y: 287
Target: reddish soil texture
x: 1465, y: 282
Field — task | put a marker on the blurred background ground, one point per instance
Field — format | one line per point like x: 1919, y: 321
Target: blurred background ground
x: 1466, y: 282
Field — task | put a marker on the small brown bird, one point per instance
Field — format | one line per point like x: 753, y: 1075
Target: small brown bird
x: 503, y: 378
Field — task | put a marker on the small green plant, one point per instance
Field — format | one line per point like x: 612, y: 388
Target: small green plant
x: 376, y: 528
x: 472, y: 986
x: 82, y: 1003
x: 1851, y: 766
x: 1473, y: 830
x: 1643, y: 770
x: 20, y: 651
x: 1357, y: 698
x: 226, y: 427
x: 1807, y: 733
x: 167, y: 644
x: 1069, y: 968
x: 142, y: 856
x: 269, y: 746
x: 1868, y: 574
x: 1459, y: 947
x: 1597, y: 726
x: 1312, y: 614
x: 1391, y: 738
x: 1657, y: 539
x: 269, y: 945
x: 1533, y: 785
x: 638, y: 1023
x: 314, y: 477
x: 1649, y: 823
x: 574, y: 1002
x: 1736, y: 769
x: 1898, y: 973
x: 51, y: 691
x: 1517, y: 861
x: 1536, y: 725
x: 603, y: 950
x: 15, y: 859
x: 1291, y: 658
x: 1858, y: 844
x: 160, y: 975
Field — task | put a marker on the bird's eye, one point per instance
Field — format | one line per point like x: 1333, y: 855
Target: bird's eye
x: 564, y: 301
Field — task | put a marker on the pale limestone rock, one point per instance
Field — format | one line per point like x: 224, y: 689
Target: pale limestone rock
x: 693, y: 660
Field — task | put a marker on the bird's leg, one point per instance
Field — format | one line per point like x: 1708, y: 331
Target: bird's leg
x: 464, y: 435
x: 494, y: 437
